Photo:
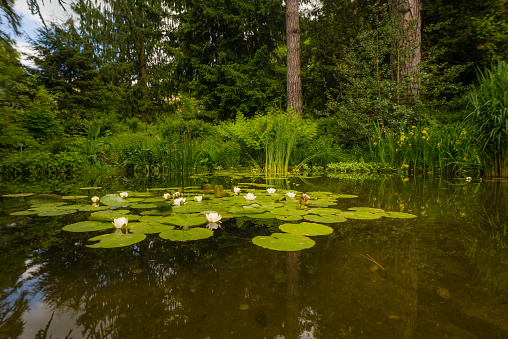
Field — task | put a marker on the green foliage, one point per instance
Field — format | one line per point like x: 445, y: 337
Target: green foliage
x: 41, y: 115
x: 489, y: 100
x: 42, y: 164
x: 225, y: 55
x: 269, y: 139
x: 431, y: 149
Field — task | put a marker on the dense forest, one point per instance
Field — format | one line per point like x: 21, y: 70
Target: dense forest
x: 151, y: 87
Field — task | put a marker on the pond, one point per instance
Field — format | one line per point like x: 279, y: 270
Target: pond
x: 441, y: 274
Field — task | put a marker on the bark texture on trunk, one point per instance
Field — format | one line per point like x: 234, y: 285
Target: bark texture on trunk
x: 294, y: 81
x: 407, y: 59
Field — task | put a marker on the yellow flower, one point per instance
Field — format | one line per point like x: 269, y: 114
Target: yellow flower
x: 375, y: 143
x: 405, y: 179
x: 405, y: 165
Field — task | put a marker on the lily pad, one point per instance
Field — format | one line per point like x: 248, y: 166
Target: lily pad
x: 347, y: 196
x: 265, y: 215
x: 288, y: 211
x: 88, y: 226
x: 320, y: 203
x: 284, y: 242
x: 116, y: 240
x: 183, y: 219
x: 111, y: 215
x: 289, y: 217
x: 400, y: 215
x: 87, y: 208
x: 141, y: 206
x: 191, y: 234
x: 322, y: 211
x: 90, y: 188
x: 56, y: 213
x: 368, y: 210
x: 25, y: 212
x: 74, y: 197
x: 114, y: 200
x: 361, y: 215
x: 45, y: 199
x: 18, y: 195
x: 149, y: 227
x: 306, y: 228
x: 327, y: 218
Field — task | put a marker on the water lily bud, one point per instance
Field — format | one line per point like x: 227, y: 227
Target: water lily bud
x: 95, y: 199
x: 198, y: 198
x: 236, y: 190
x: 166, y: 196
x: 124, y: 195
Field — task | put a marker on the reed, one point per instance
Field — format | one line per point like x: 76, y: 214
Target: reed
x: 489, y: 100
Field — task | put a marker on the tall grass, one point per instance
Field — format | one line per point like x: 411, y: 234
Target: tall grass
x: 489, y: 100
x: 428, y: 149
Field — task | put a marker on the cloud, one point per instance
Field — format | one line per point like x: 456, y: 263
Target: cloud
x: 25, y: 49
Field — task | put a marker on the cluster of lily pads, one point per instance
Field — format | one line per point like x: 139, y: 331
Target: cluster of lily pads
x: 175, y: 218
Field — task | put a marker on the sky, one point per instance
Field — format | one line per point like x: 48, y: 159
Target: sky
x: 51, y: 12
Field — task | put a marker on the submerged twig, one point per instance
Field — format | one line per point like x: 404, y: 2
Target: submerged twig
x: 368, y: 257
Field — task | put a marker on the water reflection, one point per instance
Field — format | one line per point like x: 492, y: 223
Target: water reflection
x: 225, y: 286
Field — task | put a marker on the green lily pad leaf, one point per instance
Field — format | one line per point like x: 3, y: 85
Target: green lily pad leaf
x: 143, y: 206
x: 184, y: 219
x: 289, y: 217
x: 55, y: 213
x: 88, y: 226
x: 114, y: 200
x: 265, y: 215
x: 284, y: 242
x: 45, y: 199
x: 347, y: 196
x: 90, y: 188
x: 116, y: 240
x: 154, y: 200
x: 367, y: 209
x: 151, y: 218
x: 135, y: 199
x: 111, y: 215
x: 74, y: 197
x: 322, y: 211
x: 191, y: 234
x: 140, y: 194
x: 25, y: 213
x: 320, y: 203
x: 400, y: 215
x: 288, y: 211
x: 149, y: 227
x: 361, y: 215
x: 88, y: 208
x: 18, y: 195
x: 306, y: 228
x: 327, y: 218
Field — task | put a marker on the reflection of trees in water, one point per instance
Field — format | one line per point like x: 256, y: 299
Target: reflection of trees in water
x: 11, y: 312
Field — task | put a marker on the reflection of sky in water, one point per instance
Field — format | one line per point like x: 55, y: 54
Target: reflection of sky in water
x: 38, y: 315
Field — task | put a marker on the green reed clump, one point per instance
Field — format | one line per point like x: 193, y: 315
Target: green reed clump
x: 425, y: 148
x: 489, y: 100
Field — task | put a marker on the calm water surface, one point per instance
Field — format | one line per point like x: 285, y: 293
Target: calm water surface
x: 444, y: 274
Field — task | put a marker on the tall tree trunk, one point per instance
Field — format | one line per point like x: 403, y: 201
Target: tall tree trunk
x: 294, y: 79
x: 407, y: 57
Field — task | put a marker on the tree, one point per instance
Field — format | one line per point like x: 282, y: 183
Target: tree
x: 294, y: 81
x: 13, y: 19
x: 407, y: 56
x: 128, y: 34
x: 226, y: 55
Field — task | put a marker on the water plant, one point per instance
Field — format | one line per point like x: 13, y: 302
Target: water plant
x: 162, y: 216
x: 489, y: 100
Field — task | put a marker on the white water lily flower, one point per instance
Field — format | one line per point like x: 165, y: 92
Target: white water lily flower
x: 177, y: 194
x: 167, y: 196
x: 291, y: 194
x: 236, y: 190
x: 198, y: 198
x: 179, y: 201
x: 124, y: 195
x: 469, y: 179
x: 250, y: 196
x: 213, y: 217
x: 95, y: 199
x: 305, y: 196
x: 120, y: 222
x: 212, y: 225
x: 271, y: 190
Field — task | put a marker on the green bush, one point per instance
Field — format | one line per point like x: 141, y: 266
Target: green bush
x: 41, y: 115
x: 42, y: 164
